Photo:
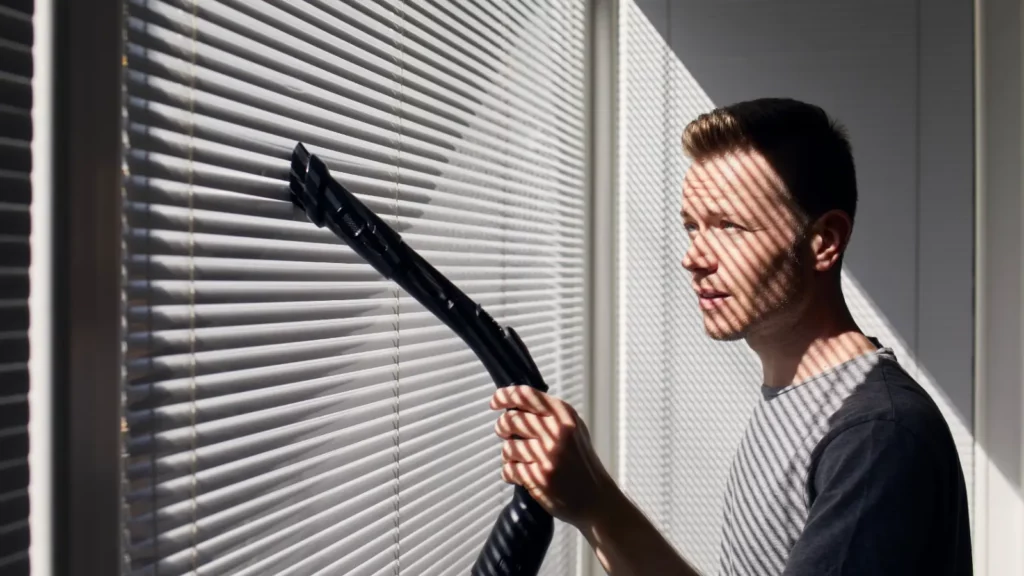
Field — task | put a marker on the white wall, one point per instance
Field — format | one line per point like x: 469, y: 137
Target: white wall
x: 999, y: 530
x: 899, y: 74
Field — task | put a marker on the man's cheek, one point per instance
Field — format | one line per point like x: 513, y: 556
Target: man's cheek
x: 743, y: 276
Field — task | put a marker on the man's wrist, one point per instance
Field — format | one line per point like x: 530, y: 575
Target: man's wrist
x: 607, y: 506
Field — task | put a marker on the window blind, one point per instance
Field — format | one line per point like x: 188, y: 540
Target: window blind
x: 15, y: 225
x: 287, y: 410
x: 684, y: 398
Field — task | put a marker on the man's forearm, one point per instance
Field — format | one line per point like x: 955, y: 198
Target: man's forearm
x: 626, y: 542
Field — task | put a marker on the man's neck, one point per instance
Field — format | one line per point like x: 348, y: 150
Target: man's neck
x: 824, y: 336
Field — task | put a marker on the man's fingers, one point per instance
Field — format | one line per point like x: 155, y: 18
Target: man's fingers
x: 514, y: 473
x: 526, y: 399
x: 529, y: 450
x: 521, y: 398
x: 524, y: 474
x: 518, y: 423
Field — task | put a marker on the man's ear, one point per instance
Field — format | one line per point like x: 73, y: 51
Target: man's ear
x: 829, y: 236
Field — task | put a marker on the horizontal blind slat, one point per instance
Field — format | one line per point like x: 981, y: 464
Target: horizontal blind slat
x: 281, y: 221
x: 173, y: 106
x: 159, y: 266
x: 223, y: 335
x: 467, y: 448
x: 450, y: 16
x: 470, y: 535
x: 287, y: 415
x: 479, y: 506
x: 439, y: 251
x: 171, y: 316
x: 215, y: 386
x: 168, y: 504
x: 366, y: 58
x: 331, y: 392
x: 213, y: 291
x: 421, y: 39
x: 429, y: 26
x: 363, y: 94
x: 286, y: 508
x: 436, y: 181
x: 367, y: 331
x: 358, y: 351
x: 265, y: 376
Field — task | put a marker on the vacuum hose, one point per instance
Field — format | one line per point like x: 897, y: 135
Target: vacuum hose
x: 520, y: 538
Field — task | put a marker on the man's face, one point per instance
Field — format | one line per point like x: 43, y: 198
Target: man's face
x: 743, y: 255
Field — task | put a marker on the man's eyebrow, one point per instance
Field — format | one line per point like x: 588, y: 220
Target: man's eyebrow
x: 686, y: 215
x: 711, y: 210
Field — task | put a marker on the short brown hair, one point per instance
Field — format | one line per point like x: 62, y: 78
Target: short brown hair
x: 810, y: 151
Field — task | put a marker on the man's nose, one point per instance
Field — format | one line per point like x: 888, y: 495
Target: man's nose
x: 699, y: 257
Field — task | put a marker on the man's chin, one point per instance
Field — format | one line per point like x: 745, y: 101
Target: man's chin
x: 722, y: 333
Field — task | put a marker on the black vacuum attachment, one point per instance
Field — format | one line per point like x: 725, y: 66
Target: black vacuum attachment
x: 521, y: 536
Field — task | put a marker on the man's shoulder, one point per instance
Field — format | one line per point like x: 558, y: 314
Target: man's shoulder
x: 890, y: 399
x: 885, y: 487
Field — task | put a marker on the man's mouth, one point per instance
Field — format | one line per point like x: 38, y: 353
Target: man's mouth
x: 711, y: 299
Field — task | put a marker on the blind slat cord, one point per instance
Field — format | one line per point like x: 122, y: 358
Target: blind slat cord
x: 396, y: 342
x: 194, y: 534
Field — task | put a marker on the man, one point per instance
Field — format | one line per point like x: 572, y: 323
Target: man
x: 847, y: 466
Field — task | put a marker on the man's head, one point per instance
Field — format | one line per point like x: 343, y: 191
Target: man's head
x: 768, y: 204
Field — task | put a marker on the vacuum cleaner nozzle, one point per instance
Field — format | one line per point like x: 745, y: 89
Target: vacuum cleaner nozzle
x: 519, y: 540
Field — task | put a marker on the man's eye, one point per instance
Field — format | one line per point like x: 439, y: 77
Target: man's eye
x: 690, y: 228
x: 726, y: 225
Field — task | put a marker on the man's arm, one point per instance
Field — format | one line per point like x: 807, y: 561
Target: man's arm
x: 878, y: 500
x: 626, y: 542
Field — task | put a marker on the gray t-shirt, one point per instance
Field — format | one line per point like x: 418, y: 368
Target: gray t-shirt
x: 851, y: 472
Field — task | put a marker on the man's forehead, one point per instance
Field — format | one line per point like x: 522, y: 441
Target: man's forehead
x: 732, y: 176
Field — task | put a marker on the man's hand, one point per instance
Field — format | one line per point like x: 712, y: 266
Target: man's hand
x: 547, y: 450
x: 553, y: 459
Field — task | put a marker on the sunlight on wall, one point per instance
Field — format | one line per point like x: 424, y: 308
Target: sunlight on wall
x: 873, y: 322
x: 684, y: 399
